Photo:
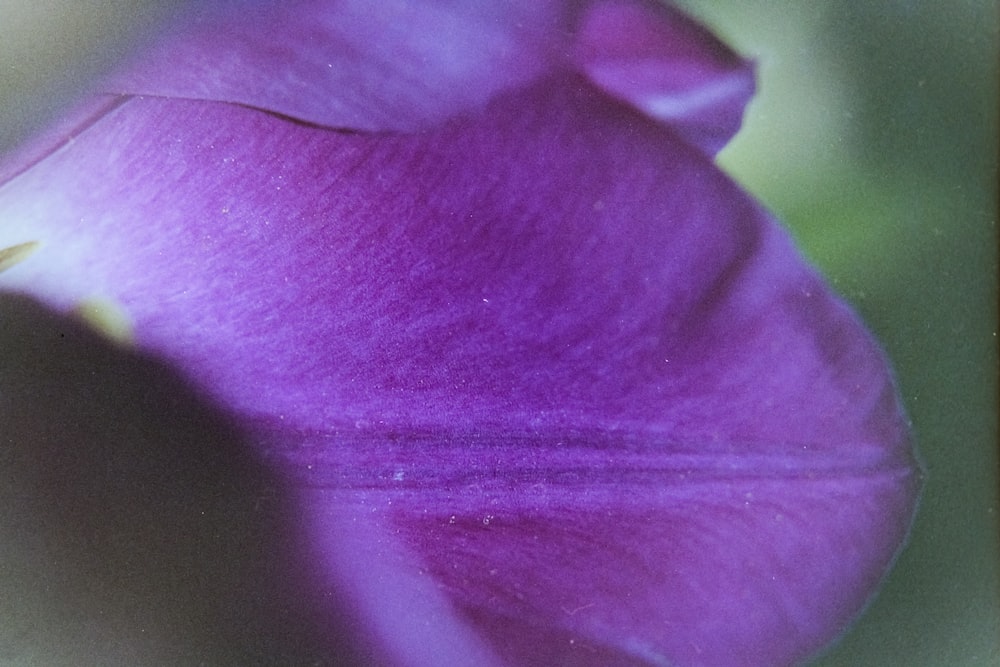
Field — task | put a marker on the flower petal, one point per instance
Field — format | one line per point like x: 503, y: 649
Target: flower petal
x: 550, y: 350
x: 672, y: 69
x: 396, y: 65
x: 389, y: 65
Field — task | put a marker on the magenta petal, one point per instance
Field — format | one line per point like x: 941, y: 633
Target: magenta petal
x: 580, y: 394
x: 395, y: 65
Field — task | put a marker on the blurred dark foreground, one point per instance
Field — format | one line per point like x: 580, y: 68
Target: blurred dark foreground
x: 135, y: 526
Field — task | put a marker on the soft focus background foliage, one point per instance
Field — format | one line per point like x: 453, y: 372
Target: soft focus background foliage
x: 50, y: 50
x: 874, y: 137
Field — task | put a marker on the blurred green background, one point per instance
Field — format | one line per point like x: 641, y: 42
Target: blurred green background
x: 51, y: 49
x: 874, y: 138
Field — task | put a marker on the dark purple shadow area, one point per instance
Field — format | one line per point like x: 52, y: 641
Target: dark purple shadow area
x: 136, y: 527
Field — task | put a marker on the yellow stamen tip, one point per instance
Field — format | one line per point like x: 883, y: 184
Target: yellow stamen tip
x: 16, y: 254
x: 107, y: 318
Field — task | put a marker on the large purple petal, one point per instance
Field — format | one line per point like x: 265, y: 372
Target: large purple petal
x: 395, y: 65
x: 560, y: 380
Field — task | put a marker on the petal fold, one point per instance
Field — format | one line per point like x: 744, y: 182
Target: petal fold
x: 657, y: 59
x: 403, y: 65
x: 392, y: 65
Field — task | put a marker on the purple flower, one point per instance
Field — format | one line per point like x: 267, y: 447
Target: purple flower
x: 549, y: 387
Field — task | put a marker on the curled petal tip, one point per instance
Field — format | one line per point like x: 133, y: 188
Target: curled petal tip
x: 664, y: 64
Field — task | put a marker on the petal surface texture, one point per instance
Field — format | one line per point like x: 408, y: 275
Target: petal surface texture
x: 553, y: 389
x: 400, y: 65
